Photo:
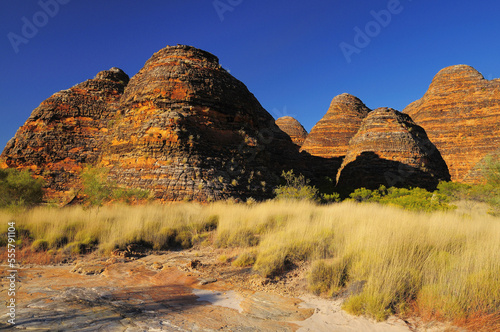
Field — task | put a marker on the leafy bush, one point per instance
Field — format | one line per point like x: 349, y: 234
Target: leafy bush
x: 415, y: 199
x: 296, y: 188
x: 455, y: 190
x: 18, y: 188
x: 366, y: 195
x: 330, y: 198
x: 98, y: 189
x: 488, y: 192
x: 491, y: 170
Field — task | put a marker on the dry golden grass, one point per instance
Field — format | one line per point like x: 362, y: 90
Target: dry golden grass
x: 442, y: 265
x: 114, y: 226
x: 447, y: 263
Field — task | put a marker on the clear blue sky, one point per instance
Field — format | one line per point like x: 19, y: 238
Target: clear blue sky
x: 286, y: 51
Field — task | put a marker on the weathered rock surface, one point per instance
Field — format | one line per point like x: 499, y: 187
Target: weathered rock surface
x: 67, y: 130
x: 390, y: 149
x: 131, y: 295
x: 330, y: 137
x: 187, y: 129
x: 461, y: 114
x: 293, y: 128
x: 183, y: 128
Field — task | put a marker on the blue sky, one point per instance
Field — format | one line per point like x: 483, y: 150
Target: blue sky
x: 287, y: 52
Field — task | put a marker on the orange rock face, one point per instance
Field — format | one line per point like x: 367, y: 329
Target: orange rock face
x: 293, y: 128
x: 183, y: 128
x: 330, y: 137
x: 390, y: 149
x: 461, y: 114
x: 67, y: 130
x: 187, y: 129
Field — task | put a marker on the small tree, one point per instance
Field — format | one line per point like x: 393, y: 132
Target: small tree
x: 491, y: 171
x: 19, y: 188
x: 95, y: 185
x: 296, y: 188
x: 98, y: 189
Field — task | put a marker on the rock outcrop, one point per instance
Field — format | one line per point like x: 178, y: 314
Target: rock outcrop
x: 461, y: 114
x: 293, y: 128
x: 187, y: 129
x: 390, y: 149
x: 183, y: 128
x: 67, y: 130
x: 329, y: 138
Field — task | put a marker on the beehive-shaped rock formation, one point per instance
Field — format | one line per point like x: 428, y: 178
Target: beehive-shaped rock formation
x: 461, y: 114
x: 67, y: 130
x: 390, y: 149
x: 330, y: 137
x: 293, y: 128
x: 187, y: 129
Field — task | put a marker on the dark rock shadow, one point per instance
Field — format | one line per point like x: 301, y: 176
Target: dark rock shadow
x: 370, y: 171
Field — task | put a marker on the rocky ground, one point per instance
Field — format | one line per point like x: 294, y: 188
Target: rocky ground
x: 192, y: 290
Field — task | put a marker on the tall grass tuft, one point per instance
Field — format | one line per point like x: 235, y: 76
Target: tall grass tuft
x: 111, y: 227
x: 444, y: 263
x: 389, y: 260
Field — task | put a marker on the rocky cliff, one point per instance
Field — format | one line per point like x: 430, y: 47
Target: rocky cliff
x: 330, y: 137
x: 390, y: 149
x: 67, y: 131
x: 461, y: 114
x: 187, y: 129
x: 293, y: 128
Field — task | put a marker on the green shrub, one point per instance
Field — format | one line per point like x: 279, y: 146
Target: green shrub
x: 330, y: 198
x: 415, y: 199
x: 127, y: 195
x: 18, y: 188
x: 488, y: 192
x: 95, y: 185
x: 367, y: 195
x: 491, y: 170
x: 295, y: 188
x: 98, y: 189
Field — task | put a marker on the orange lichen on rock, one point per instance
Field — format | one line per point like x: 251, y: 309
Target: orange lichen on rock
x: 461, y: 114
x: 390, y: 149
x: 179, y: 132
x: 330, y: 136
x: 293, y: 128
x: 64, y: 132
